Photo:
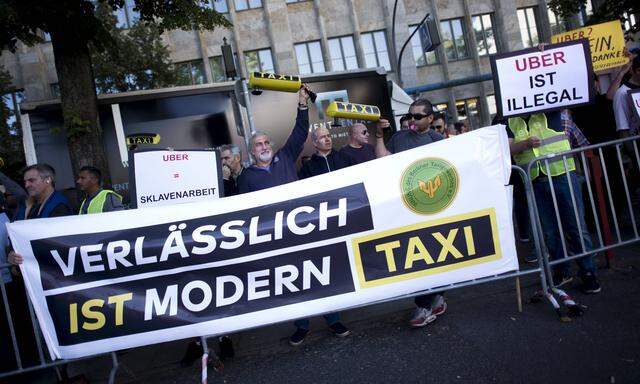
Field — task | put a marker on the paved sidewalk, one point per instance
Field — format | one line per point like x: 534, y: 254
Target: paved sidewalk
x: 481, y: 338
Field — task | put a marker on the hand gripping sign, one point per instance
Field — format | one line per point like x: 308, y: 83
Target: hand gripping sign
x: 534, y: 80
x: 274, y: 82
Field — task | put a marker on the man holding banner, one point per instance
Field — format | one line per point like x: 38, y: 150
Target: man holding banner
x: 419, y: 133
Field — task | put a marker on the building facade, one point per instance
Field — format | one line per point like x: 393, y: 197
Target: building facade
x: 315, y: 36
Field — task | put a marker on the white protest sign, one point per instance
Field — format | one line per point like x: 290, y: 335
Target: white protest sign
x: 531, y: 80
x: 163, y: 177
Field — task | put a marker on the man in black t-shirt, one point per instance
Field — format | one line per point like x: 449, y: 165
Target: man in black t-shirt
x: 419, y: 133
x: 359, y: 149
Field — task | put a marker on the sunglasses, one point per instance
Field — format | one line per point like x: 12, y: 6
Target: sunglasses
x: 365, y: 132
x: 415, y: 116
x: 437, y: 126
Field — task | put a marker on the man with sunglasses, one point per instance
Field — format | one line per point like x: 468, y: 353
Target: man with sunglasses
x: 359, y: 149
x: 420, y: 117
x: 439, y: 125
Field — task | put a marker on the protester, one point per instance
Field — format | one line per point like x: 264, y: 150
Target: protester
x: 269, y: 169
x: 439, y: 124
x: 14, y: 195
x: 7, y: 358
x: 627, y: 121
x: 404, y: 122
x: 43, y: 201
x: 231, y: 168
x: 359, y: 149
x: 596, y: 121
x: 323, y: 160
x: 97, y: 199
x: 460, y: 128
x: 531, y: 131
x: 420, y: 117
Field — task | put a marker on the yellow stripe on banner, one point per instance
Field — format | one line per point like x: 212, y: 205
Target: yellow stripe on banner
x: 441, y: 232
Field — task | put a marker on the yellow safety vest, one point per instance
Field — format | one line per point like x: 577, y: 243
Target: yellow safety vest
x: 97, y: 203
x: 553, y: 142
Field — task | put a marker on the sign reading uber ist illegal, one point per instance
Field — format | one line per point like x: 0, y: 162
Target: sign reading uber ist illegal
x: 532, y: 80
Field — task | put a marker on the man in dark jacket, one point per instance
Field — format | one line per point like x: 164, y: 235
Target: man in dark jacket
x: 325, y: 159
x: 43, y: 201
x: 269, y: 169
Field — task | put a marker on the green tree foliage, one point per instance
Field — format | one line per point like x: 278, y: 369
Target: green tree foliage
x: 606, y: 11
x: 131, y: 60
x: 11, y: 150
x: 74, y: 27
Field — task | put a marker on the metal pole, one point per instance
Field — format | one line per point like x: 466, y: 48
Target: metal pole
x: 399, y: 61
x: 247, y: 101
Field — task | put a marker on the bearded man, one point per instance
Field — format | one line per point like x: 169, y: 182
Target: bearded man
x: 271, y: 169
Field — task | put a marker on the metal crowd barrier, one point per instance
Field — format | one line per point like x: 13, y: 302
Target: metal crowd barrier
x: 598, y: 172
x: 543, y: 266
x: 12, y: 347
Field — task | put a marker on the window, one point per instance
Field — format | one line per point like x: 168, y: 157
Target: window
x: 241, y: 5
x: 374, y: 45
x: 126, y: 16
x: 421, y: 58
x: 483, y: 30
x: 556, y: 23
x: 309, y: 57
x: 259, y: 61
x: 55, y: 90
x: 469, y: 109
x: 453, y: 39
x: 294, y: 1
x: 528, y: 26
x: 219, y: 6
x: 191, y: 72
x: 217, y: 69
x: 342, y: 53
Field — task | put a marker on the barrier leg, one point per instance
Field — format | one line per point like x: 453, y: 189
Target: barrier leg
x: 518, y: 294
x: 114, y: 368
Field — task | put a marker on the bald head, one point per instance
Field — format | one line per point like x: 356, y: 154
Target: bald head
x: 358, y: 135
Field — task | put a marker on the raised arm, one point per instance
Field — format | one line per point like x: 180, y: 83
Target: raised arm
x: 298, y: 136
x: 381, y: 149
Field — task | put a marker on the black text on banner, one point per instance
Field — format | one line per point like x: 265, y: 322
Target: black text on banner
x: 426, y: 248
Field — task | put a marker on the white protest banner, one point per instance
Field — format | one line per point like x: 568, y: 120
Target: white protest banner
x: 164, y: 177
x: 424, y: 218
x: 634, y: 95
x: 531, y: 80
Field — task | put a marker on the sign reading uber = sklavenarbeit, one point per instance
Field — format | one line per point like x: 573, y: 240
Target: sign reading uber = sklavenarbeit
x: 163, y: 177
x: 534, y: 80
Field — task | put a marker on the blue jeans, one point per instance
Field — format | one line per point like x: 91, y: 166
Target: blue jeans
x: 549, y: 222
x: 330, y: 318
